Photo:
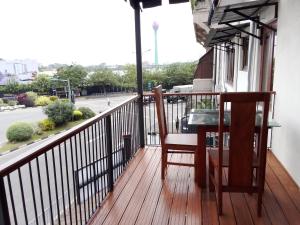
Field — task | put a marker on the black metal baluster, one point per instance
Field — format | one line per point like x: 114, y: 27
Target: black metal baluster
x: 172, y: 115
x: 104, y: 152
x: 55, y: 186
x: 109, y: 153
x: 90, y: 168
x: 4, y: 211
x: 62, y: 184
x: 22, y: 196
x: 104, y: 158
x: 41, y: 191
x: 73, y: 180
x: 49, y: 189
x: 115, y: 147
x: 78, y: 191
x: 11, y: 200
x: 94, y: 159
x: 33, y: 194
x: 68, y: 184
x: 87, y: 174
x: 150, y: 124
x: 98, y: 152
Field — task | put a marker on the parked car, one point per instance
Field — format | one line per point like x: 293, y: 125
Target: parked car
x: 177, y: 90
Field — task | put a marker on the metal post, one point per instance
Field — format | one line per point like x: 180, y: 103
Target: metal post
x: 109, y: 154
x: 127, y: 148
x: 139, y: 71
x: 69, y: 90
x: 4, y: 214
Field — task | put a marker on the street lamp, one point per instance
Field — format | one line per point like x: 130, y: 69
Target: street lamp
x: 69, y: 86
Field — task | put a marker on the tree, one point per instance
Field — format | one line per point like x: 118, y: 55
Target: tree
x: 75, y: 73
x: 12, y: 86
x: 129, y: 77
x: 104, y: 77
x: 42, y: 83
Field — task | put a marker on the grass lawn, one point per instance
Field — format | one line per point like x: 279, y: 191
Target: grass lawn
x: 13, y: 145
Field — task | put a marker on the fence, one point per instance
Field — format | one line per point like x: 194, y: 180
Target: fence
x: 64, y: 180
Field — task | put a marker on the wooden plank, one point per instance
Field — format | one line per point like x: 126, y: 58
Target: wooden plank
x: 272, y: 208
x: 128, y: 191
x: 162, y: 212
x: 149, y: 204
x: 252, y: 203
x: 148, y: 208
x: 288, y: 207
x: 193, y: 211
x: 178, y: 208
x: 141, y: 157
x: 241, y: 210
x: 209, y: 208
x: 133, y: 208
x: 228, y: 217
x: 288, y: 184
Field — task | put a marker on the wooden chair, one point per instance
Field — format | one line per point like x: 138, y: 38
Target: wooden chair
x: 172, y: 143
x: 241, y: 158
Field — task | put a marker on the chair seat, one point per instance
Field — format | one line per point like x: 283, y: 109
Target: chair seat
x: 213, y: 156
x: 181, y: 140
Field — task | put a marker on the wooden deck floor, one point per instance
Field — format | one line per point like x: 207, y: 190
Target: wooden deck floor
x: 141, y: 197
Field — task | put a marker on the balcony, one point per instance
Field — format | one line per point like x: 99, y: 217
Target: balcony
x: 141, y: 197
x: 96, y: 173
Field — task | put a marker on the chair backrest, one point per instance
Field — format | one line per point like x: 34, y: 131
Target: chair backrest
x: 160, y: 113
x: 244, y: 107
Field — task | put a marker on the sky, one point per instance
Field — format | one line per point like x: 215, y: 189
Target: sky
x: 90, y: 32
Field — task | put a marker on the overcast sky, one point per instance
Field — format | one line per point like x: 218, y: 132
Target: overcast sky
x: 94, y: 31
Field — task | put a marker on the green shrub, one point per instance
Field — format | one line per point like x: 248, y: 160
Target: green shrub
x: 12, y: 103
x: 86, y: 112
x: 32, y: 96
x: 28, y: 99
x: 77, y: 115
x: 46, y: 124
x: 60, y: 112
x: 42, y: 101
x: 19, y: 131
x: 1, y: 101
x: 53, y: 98
x: 36, y: 129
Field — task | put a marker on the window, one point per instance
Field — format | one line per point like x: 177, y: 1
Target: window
x: 245, y: 52
x: 230, y: 65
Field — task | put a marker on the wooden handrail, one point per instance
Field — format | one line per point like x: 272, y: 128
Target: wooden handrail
x: 33, y: 153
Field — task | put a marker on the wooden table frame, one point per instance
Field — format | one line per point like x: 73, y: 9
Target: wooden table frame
x: 200, y: 175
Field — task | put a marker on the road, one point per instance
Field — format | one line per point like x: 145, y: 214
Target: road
x: 32, y: 115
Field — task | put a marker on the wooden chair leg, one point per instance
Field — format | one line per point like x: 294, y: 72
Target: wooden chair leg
x: 259, y: 203
x: 220, y: 201
x: 163, y: 163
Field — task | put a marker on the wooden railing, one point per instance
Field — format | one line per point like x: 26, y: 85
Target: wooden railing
x: 65, y: 179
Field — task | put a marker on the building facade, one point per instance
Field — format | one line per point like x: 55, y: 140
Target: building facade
x: 22, y: 71
x: 256, y: 48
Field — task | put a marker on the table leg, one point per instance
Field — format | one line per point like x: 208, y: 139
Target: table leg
x: 200, y: 174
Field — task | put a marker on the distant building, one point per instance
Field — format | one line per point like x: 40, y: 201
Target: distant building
x: 22, y: 71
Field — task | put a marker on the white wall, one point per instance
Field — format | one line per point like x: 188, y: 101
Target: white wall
x: 286, y: 139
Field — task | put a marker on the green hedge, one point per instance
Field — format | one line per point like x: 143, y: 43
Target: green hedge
x: 19, y: 131
x: 60, y: 112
